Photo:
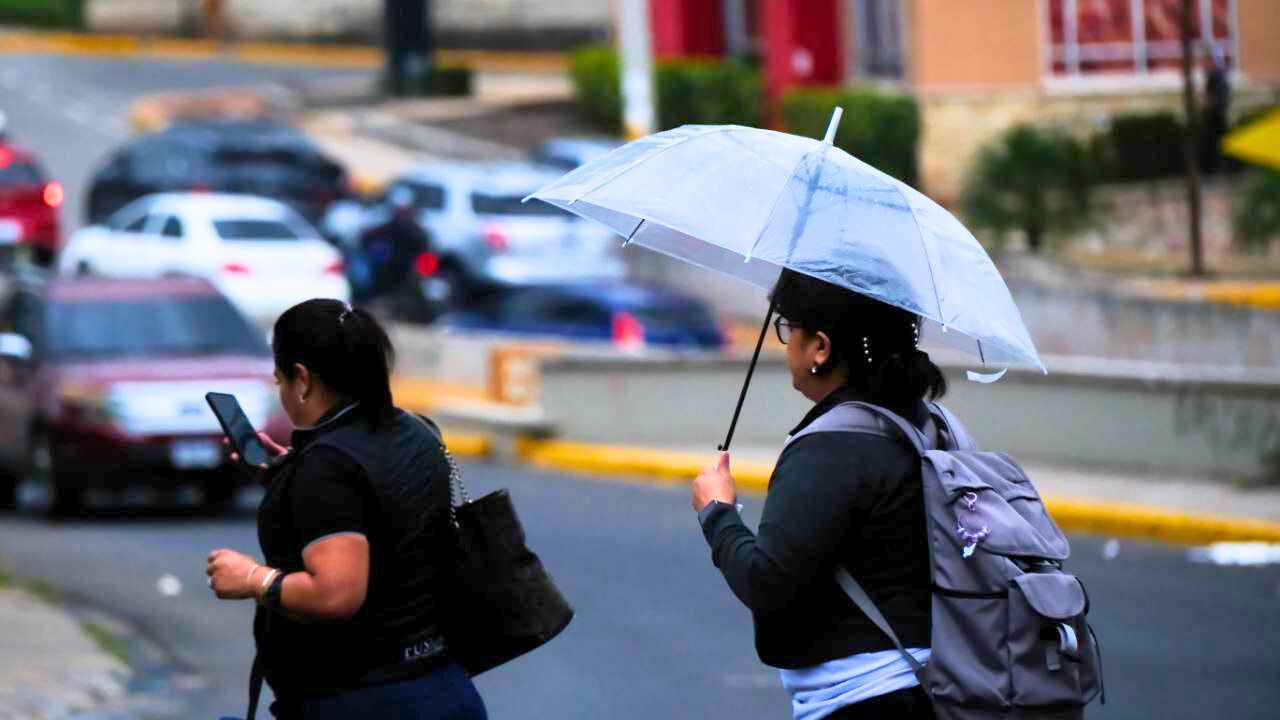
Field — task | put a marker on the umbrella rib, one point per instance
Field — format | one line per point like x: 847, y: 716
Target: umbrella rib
x: 774, y: 206
x: 928, y: 260
x: 644, y: 160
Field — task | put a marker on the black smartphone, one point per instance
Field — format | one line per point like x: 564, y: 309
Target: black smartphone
x: 241, y: 433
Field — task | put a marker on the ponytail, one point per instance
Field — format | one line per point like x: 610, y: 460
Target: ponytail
x: 345, y: 347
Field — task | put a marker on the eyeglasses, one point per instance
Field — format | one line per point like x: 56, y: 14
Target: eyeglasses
x: 783, y: 327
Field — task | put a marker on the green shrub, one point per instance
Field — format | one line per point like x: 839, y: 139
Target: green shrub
x: 438, y: 82
x: 46, y: 13
x: 1256, y: 217
x: 687, y: 90
x: 598, y: 86
x: 1033, y: 180
x: 878, y: 128
x: 710, y: 92
x: 1141, y: 146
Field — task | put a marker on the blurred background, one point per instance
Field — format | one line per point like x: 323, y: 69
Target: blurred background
x: 176, y: 173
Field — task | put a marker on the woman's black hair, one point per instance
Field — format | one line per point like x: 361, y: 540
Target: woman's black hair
x: 897, y: 373
x: 345, y: 347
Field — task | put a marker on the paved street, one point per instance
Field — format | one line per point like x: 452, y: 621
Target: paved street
x: 658, y: 634
x: 72, y: 111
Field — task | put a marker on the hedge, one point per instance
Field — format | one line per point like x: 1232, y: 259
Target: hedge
x: 688, y: 90
x: 48, y: 13
x: 880, y: 129
x: 1141, y: 146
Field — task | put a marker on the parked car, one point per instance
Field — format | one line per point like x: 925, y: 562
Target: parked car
x: 631, y: 317
x: 29, y: 204
x: 567, y: 153
x: 482, y: 234
x: 259, y: 252
x: 102, y: 386
x: 254, y: 157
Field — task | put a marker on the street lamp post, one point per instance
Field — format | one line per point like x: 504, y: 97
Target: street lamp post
x: 636, y: 44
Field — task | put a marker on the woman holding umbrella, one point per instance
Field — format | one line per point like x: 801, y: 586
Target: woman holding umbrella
x: 857, y: 261
x: 836, y: 499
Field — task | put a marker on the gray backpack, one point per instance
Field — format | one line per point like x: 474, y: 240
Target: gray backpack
x: 1009, y: 636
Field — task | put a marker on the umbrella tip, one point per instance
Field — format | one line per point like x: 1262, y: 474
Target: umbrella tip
x: 830, y: 137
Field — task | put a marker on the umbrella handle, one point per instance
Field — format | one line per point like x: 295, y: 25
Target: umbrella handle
x: 742, y: 397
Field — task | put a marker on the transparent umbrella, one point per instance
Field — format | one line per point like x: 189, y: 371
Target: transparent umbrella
x: 749, y: 202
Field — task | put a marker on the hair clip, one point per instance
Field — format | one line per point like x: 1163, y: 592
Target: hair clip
x: 866, y: 349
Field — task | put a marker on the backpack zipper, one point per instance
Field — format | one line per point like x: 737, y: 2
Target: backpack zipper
x: 947, y: 592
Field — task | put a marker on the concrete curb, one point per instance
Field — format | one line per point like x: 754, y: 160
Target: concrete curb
x: 267, y: 53
x: 1074, y: 514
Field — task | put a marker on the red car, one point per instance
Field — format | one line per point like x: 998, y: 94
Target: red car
x: 102, y: 386
x: 28, y: 204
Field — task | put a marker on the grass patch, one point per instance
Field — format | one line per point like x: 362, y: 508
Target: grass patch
x: 107, y: 641
x: 39, y: 588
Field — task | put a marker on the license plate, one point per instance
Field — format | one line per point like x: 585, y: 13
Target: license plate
x: 195, y: 454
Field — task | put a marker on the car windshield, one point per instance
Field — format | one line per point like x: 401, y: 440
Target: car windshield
x: 247, y: 230
x: 510, y: 205
x: 163, y: 326
x: 19, y: 175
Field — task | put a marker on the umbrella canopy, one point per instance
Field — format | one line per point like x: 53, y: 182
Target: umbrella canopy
x: 748, y: 202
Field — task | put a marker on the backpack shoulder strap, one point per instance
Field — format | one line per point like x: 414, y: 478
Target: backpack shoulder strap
x: 868, y: 607
x: 957, y: 435
x: 857, y: 417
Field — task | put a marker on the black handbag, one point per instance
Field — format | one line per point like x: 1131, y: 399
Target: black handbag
x: 503, y: 603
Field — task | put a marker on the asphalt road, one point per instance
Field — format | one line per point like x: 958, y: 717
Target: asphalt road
x: 657, y: 633
x: 73, y: 110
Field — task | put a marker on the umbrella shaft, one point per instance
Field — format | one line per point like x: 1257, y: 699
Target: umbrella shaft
x: 751, y: 369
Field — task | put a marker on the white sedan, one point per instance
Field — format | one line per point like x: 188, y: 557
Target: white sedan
x: 260, y: 253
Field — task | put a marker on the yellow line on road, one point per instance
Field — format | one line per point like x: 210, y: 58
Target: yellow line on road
x: 1077, y: 515
x: 268, y: 53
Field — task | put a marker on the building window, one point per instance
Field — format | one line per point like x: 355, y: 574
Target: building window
x: 1133, y: 37
x: 877, y: 38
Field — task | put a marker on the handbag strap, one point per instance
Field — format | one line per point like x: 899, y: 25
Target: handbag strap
x: 255, y: 687
x: 458, y: 495
x: 868, y: 607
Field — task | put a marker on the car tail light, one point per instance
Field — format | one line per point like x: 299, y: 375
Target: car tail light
x: 496, y: 239
x: 54, y: 195
x: 337, y: 267
x: 426, y: 264
x: 235, y: 268
x: 628, y: 332
x: 6, y: 157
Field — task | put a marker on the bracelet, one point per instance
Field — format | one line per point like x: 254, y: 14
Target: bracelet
x: 272, y: 598
x: 266, y: 581
x: 252, y: 570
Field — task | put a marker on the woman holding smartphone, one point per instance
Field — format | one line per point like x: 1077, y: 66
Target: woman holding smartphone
x: 355, y: 535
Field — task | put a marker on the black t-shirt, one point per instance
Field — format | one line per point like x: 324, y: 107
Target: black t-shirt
x: 388, y: 484
x: 834, y: 497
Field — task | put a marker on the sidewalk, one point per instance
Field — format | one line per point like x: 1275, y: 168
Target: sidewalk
x: 50, y: 666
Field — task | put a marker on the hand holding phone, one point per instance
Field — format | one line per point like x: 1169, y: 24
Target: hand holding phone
x: 240, y: 432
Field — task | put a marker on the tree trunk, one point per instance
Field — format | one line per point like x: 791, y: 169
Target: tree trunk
x: 1035, y: 239
x: 1191, y: 142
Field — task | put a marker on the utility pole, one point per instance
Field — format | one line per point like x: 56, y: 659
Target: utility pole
x: 1191, y: 145
x: 636, y: 52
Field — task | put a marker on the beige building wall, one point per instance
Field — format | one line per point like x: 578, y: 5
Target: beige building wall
x: 1259, y: 23
x: 973, y: 43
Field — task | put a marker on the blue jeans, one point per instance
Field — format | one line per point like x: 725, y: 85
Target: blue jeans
x: 443, y: 694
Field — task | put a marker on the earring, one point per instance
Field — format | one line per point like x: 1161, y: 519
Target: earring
x: 302, y: 399
x: 866, y: 349
x: 813, y: 370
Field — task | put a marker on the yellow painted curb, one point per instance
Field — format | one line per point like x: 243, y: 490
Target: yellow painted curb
x: 269, y: 53
x: 1263, y: 295
x: 468, y: 444
x: 1077, y: 515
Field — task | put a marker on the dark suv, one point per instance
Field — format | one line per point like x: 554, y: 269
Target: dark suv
x: 254, y: 157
